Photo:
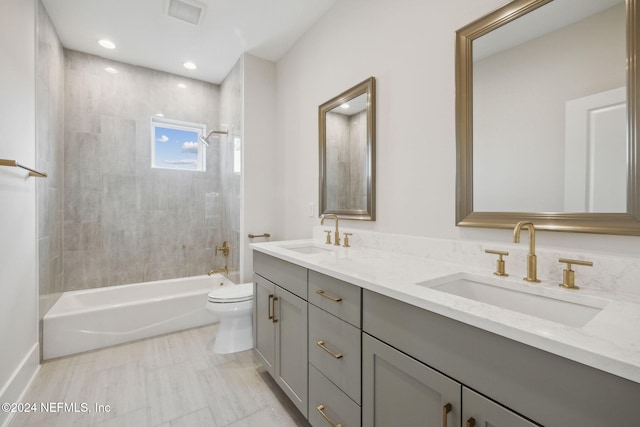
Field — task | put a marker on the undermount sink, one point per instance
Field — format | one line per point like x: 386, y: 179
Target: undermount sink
x: 491, y: 291
x: 308, y: 248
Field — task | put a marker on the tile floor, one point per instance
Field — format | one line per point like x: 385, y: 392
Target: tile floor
x: 169, y: 381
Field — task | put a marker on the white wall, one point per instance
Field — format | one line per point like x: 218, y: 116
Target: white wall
x: 261, y: 196
x: 18, y: 302
x: 408, y: 45
x: 542, y: 71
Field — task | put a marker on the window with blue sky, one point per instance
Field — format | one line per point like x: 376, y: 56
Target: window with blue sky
x: 177, y: 145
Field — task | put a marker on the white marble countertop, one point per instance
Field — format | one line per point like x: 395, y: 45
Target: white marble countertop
x: 609, y: 342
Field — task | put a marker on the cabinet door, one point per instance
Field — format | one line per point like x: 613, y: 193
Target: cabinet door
x: 291, y: 347
x: 263, y: 326
x: 397, y: 390
x: 478, y: 411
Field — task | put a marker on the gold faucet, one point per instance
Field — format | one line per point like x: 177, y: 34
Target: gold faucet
x: 336, y: 240
x: 532, y: 263
x: 224, y: 270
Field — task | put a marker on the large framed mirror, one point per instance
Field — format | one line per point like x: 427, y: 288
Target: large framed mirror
x: 347, y: 135
x: 547, y: 117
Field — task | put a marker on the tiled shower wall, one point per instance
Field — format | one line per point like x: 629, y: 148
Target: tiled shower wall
x: 125, y: 222
x: 49, y: 145
x: 346, y: 160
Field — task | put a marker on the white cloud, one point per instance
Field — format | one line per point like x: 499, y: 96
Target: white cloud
x: 182, y: 162
x: 190, y: 147
x: 163, y: 138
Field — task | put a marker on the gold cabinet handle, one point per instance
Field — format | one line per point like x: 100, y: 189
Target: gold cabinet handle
x: 273, y: 309
x: 445, y: 410
x: 471, y: 422
x: 269, y: 309
x: 320, y: 408
x: 322, y: 346
x: 327, y: 296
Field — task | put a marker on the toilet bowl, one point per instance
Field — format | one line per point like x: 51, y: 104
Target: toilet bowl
x: 233, y: 306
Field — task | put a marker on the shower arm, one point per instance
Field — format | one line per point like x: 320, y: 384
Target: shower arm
x: 205, y: 139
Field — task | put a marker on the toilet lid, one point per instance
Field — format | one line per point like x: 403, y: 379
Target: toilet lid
x: 234, y: 293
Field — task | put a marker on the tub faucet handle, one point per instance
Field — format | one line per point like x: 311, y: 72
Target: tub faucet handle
x: 224, y: 248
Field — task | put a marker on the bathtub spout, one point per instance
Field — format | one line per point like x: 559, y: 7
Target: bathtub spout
x: 224, y: 270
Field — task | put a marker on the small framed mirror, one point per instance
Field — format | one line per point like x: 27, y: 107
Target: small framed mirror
x: 347, y: 131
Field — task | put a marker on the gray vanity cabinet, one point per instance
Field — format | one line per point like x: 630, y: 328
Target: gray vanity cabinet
x: 400, y: 391
x: 543, y: 387
x: 335, y: 353
x: 280, y: 325
x: 478, y: 411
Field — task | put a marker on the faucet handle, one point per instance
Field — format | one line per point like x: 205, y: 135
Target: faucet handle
x: 568, y: 275
x: 328, y: 242
x: 346, y: 240
x: 500, y: 270
x: 224, y: 248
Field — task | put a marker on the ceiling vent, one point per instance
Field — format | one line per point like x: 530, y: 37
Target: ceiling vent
x: 188, y: 11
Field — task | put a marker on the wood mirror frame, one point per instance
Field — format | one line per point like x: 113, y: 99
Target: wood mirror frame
x: 604, y: 223
x: 367, y: 88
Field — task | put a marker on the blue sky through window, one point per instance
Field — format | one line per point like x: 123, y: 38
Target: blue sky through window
x: 175, y: 148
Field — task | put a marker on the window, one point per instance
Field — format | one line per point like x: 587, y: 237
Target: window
x: 177, y: 145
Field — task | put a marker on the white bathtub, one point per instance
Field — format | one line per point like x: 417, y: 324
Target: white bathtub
x: 94, y: 318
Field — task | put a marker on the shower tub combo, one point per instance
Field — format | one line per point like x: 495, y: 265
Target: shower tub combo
x: 94, y: 318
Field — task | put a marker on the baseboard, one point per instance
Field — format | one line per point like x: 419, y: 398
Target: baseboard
x: 18, y: 385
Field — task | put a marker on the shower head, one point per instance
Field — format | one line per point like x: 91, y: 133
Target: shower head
x: 205, y: 139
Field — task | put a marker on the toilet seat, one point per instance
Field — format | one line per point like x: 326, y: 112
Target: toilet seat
x: 232, y: 294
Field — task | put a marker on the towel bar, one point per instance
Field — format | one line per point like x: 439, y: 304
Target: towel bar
x: 14, y: 163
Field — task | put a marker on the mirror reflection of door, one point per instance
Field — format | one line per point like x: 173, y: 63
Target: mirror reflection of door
x: 596, y: 153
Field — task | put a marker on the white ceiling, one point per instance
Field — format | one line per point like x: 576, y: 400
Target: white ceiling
x: 145, y: 35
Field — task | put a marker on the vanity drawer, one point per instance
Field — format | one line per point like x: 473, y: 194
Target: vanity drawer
x: 340, y: 359
x: 326, y: 397
x: 284, y: 274
x: 325, y: 290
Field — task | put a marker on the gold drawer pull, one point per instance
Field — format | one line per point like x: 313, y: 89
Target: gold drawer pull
x: 445, y: 410
x: 273, y: 310
x: 321, y: 345
x: 320, y: 409
x: 327, y: 296
x: 471, y: 422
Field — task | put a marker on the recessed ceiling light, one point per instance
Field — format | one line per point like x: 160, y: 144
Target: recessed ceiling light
x: 111, y: 70
x: 345, y: 105
x: 159, y: 115
x: 182, y: 85
x: 190, y: 65
x: 107, y: 44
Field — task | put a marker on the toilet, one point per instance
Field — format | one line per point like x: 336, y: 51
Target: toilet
x: 233, y: 306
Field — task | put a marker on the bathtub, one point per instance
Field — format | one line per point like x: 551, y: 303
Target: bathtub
x: 94, y: 318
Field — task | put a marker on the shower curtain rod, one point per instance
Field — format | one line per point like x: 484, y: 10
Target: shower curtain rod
x: 14, y: 163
